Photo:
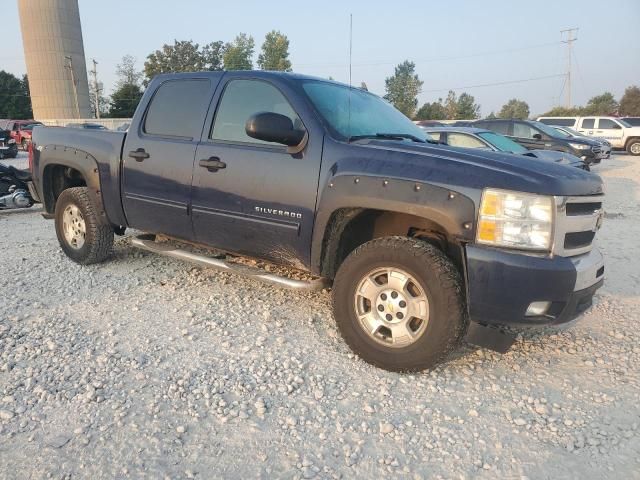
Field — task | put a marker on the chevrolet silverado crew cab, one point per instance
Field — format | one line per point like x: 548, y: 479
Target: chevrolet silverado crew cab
x: 423, y: 244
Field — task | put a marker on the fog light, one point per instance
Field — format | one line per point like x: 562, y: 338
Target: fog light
x: 537, y: 308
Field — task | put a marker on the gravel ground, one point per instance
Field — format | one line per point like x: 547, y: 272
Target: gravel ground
x: 146, y: 367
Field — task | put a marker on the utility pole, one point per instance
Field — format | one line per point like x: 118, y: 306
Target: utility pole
x: 96, y: 90
x: 569, y: 33
x: 73, y: 82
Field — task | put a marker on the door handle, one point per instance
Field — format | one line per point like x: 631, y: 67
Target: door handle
x: 139, y: 154
x: 213, y: 164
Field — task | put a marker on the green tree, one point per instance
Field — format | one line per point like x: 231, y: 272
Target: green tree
x: 563, y: 112
x: 127, y: 72
x: 275, y: 52
x: 604, y: 104
x: 403, y: 88
x: 431, y: 111
x: 238, y: 54
x: 15, y: 101
x: 125, y: 100
x: 491, y: 116
x: 514, y: 108
x: 451, y: 105
x: 183, y: 56
x: 467, y: 107
x: 630, y: 101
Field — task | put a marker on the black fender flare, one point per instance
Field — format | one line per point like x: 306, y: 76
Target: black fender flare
x: 454, y: 211
x: 79, y: 160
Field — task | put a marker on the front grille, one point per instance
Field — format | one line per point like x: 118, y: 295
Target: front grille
x: 578, y: 240
x: 596, y: 149
x: 577, y: 221
x: 586, y: 208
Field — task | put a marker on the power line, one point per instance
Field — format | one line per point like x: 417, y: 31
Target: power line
x: 508, y: 82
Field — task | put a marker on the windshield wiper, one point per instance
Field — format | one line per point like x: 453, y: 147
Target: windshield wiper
x: 391, y: 136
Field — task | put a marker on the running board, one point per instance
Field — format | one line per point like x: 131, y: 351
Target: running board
x: 147, y: 242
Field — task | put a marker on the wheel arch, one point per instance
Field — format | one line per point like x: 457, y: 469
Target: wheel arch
x: 438, y: 215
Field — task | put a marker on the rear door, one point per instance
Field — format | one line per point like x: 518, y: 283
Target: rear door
x: 587, y: 126
x: 158, y: 156
x: 262, y: 201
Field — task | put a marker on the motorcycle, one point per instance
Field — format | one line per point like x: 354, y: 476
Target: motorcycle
x: 14, y: 190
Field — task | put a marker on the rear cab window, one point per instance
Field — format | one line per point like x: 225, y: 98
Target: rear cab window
x: 178, y: 109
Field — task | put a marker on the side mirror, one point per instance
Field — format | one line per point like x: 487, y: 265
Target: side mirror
x: 274, y: 127
x: 537, y: 136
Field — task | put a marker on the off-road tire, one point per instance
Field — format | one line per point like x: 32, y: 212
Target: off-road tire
x: 442, y: 284
x: 631, y: 143
x: 98, y: 242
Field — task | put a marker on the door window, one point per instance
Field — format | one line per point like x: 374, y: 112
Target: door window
x: 588, y: 122
x: 178, y: 109
x: 464, y: 140
x: 607, y: 124
x: 242, y: 99
x: 522, y: 130
x: 435, y: 135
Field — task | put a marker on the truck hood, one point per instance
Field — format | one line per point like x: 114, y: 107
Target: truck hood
x: 465, y: 168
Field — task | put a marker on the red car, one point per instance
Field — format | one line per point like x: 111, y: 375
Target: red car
x: 21, y: 131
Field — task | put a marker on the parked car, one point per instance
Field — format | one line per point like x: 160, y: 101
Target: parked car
x: 429, y: 123
x: 538, y: 136
x: 616, y: 131
x: 571, y: 133
x: 633, y: 121
x: 424, y: 244
x: 8, y: 146
x: 469, y: 137
x: 87, y: 126
x: 21, y: 131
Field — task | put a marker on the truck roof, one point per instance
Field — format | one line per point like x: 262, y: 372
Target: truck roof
x: 249, y: 73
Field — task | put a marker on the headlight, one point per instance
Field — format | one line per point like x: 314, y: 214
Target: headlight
x: 580, y: 146
x: 515, y: 220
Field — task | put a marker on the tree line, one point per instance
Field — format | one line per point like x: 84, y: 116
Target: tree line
x: 404, y: 87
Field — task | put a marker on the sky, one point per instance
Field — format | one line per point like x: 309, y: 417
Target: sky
x: 455, y: 44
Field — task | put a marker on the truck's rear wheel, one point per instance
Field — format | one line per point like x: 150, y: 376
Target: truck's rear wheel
x: 399, y: 303
x: 84, y: 238
x: 633, y: 147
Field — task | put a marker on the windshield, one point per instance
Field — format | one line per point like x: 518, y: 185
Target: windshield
x: 352, y: 112
x: 624, y: 123
x: 563, y: 133
x: 503, y: 144
x: 29, y: 126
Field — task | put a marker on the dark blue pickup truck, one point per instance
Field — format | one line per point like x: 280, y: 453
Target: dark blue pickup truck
x: 424, y: 245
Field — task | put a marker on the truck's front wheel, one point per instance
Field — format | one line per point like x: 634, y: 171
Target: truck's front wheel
x: 633, y: 146
x: 399, y: 303
x: 84, y: 238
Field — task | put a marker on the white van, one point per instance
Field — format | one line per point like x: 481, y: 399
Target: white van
x: 619, y: 133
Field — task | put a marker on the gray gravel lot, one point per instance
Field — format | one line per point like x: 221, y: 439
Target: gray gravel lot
x: 146, y: 367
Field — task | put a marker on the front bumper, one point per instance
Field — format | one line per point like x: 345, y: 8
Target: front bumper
x: 502, y: 285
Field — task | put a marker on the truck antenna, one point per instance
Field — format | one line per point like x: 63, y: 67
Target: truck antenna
x: 350, y: 56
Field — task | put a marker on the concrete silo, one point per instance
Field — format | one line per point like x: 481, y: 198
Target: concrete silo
x: 54, y: 54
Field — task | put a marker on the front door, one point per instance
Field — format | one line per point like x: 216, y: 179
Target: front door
x: 158, y: 157
x: 530, y: 137
x: 251, y: 196
x: 610, y: 130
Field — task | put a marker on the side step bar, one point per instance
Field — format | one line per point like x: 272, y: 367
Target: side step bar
x: 146, y: 242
